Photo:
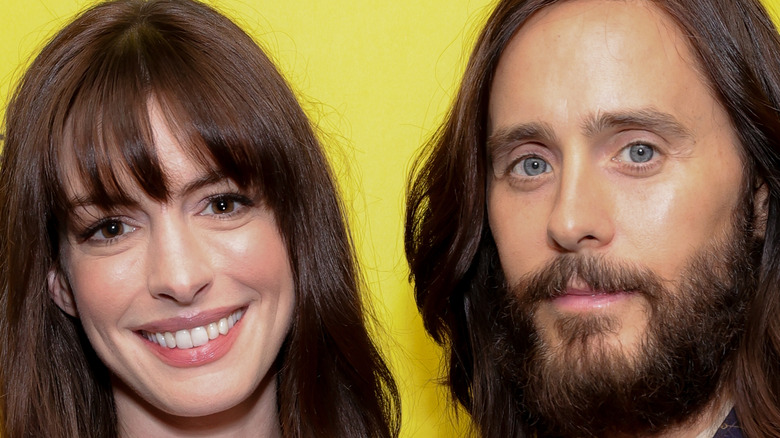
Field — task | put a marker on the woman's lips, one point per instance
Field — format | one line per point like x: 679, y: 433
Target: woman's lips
x: 197, y: 336
x: 196, y: 346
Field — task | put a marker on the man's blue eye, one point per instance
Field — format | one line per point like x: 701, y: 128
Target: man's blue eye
x: 640, y: 153
x: 532, y: 166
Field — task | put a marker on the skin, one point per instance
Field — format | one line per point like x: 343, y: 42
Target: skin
x: 169, y: 263
x: 577, y: 87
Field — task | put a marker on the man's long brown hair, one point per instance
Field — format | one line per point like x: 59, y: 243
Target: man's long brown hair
x: 451, y: 252
x: 89, y: 90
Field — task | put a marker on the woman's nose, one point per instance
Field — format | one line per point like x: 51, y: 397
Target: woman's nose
x: 179, y: 266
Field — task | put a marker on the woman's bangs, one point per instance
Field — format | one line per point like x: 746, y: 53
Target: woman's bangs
x: 215, y: 116
x: 108, y: 142
x: 109, y: 138
x: 211, y: 135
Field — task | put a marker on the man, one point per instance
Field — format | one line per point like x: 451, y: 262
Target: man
x: 592, y: 232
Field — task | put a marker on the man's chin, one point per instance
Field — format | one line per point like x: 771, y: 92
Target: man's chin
x: 596, y: 347
x: 572, y: 337
x: 586, y: 376
x: 647, y: 362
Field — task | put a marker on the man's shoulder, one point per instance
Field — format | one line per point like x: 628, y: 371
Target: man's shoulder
x: 730, y: 427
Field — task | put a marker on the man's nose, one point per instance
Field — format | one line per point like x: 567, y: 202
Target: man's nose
x: 179, y: 266
x: 581, y: 216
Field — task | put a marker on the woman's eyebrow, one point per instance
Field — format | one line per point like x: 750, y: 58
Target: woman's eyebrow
x: 204, y: 180
x: 123, y: 200
x: 90, y: 200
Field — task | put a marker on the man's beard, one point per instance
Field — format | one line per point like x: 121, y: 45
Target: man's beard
x: 585, y: 385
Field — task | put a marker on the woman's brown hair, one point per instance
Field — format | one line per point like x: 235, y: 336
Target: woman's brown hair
x: 450, y: 248
x: 89, y: 91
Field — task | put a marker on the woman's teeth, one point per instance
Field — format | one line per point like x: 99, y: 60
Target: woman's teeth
x: 197, y: 336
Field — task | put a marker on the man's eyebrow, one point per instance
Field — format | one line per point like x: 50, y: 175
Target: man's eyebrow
x: 504, y: 137
x: 646, y: 118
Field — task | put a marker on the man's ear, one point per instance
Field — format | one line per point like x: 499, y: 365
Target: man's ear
x: 60, y: 292
x: 760, y: 208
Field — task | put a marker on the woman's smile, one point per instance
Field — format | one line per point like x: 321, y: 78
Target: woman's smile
x: 185, y: 338
x: 197, y: 346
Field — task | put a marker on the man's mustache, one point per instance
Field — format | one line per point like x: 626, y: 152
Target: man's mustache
x: 598, y: 273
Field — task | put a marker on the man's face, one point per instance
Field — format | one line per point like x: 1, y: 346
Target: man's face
x: 607, y: 149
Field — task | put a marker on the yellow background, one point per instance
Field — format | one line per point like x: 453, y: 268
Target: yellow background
x: 376, y: 78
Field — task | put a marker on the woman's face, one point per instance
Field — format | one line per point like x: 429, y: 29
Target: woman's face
x: 159, y: 286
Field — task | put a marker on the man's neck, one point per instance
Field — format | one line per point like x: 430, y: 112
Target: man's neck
x: 705, y: 425
x: 720, y: 412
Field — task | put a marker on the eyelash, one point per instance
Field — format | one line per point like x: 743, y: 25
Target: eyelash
x: 238, y: 198
x: 638, y: 167
x: 93, y: 229
x: 89, y: 232
x: 514, y: 163
x: 634, y: 167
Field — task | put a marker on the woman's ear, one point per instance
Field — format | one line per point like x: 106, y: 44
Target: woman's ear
x: 60, y: 292
x: 760, y: 208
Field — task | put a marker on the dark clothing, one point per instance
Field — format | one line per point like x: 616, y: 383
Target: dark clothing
x: 730, y: 427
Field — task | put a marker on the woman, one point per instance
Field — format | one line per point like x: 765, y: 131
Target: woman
x: 173, y: 255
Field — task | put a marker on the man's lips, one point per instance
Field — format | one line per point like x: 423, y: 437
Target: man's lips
x: 583, y: 292
x: 585, y: 300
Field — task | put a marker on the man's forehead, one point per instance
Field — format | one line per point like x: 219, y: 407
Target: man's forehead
x: 610, y: 15
x: 597, y: 61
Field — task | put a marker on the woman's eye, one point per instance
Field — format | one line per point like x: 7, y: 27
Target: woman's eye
x: 224, y: 205
x: 637, y: 153
x: 531, y: 166
x: 111, y: 229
